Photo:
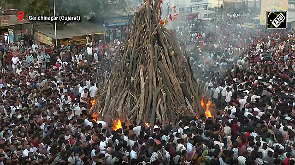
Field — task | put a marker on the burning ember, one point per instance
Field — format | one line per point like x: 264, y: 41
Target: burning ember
x: 208, y: 113
x: 117, y: 125
x: 197, y: 117
x: 147, y: 124
x: 92, y: 103
x: 203, y: 103
x: 94, y: 117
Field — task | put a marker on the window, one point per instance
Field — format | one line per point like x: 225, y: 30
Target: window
x: 4, y: 23
x: 185, y: 10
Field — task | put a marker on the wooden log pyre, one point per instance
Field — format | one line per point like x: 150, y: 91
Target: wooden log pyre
x: 154, y: 80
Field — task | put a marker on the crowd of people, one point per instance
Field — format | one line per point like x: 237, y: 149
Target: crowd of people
x: 46, y: 94
x: 253, y: 89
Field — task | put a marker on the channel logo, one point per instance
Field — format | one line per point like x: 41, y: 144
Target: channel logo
x: 276, y: 20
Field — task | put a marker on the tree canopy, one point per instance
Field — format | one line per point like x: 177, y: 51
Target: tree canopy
x: 98, y: 9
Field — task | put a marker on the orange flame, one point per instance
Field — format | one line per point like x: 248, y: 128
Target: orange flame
x: 92, y: 102
x: 94, y: 117
x: 208, y: 113
x: 117, y: 125
x: 197, y: 117
x: 147, y: 124
x: 203, y: 103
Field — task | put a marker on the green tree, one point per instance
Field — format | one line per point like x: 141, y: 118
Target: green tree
x: 86, y: 8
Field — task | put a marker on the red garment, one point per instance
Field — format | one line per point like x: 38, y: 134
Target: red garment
x: 235, y: 128
x: 286, y: 161
x: 172, y: 152
x: 287, y: 76
x: 247, y: 134
x: 8, y: 57
x: 47, y: 51
x: 72, y: 141
x: 72, y: 96
x: 35, y: 142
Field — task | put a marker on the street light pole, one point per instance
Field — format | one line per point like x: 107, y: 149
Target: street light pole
x: 54, y: 25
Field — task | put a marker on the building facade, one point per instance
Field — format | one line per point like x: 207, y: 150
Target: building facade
x: 196, y: 9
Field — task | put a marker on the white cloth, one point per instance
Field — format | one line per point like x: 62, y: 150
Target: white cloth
x: 227, y: 130
x: 89, y: 50
x: 72, y: 160
x: 102, y: 146
x: 104, y: 124
x: 223, y: 92
x: 216, y: 93
x: 88, y: 123
x: 233, y: 110
x: 77, y: 110
x: 25, y: 153
x: 254, y: 97
x: 15, y: 60
x: 189, y: 147
x: 83, y: 95
x: 93, y: 91
x: 96, y: 56
x: 133, y: 155
x: 228, y: 96
x: 137, y: 130
x: 93, y: 153
x: 34, y: 46
x: 242, y: 103
x: 180, y: 147
x: 81, y: 89
x: 242, y: 160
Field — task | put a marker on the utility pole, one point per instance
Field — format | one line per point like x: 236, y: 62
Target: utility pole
x: 54, y: 24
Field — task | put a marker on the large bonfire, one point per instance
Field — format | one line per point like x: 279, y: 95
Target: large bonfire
x: 154, y: 80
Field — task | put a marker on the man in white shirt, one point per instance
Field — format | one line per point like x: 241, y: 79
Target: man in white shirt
x: 34, y: 46
x: 242, y: 160
x: 228, y: 95
x: 15, y: 61
x: 84, y: 96
x: 72, y: 158
x: 137, y: 130
x: 254, y: 97
x: 26, y: 151
x: 93, y: 90
x: 89, y: 50
x: 133, y: 153
x: 103, y: 124
x: 223, y: 95
x: 102, y: 147
x: 243, y: 102
x: 216, y: 95
x: 88, y: 123
x: 77, y: 109
x: 227, y: 129
x: 81, y: 87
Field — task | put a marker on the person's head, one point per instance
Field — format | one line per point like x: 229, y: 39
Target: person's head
x: 288, y: 155
x: 270, y: 154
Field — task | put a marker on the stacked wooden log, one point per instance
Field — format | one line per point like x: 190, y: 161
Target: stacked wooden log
x: 154, y: 80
